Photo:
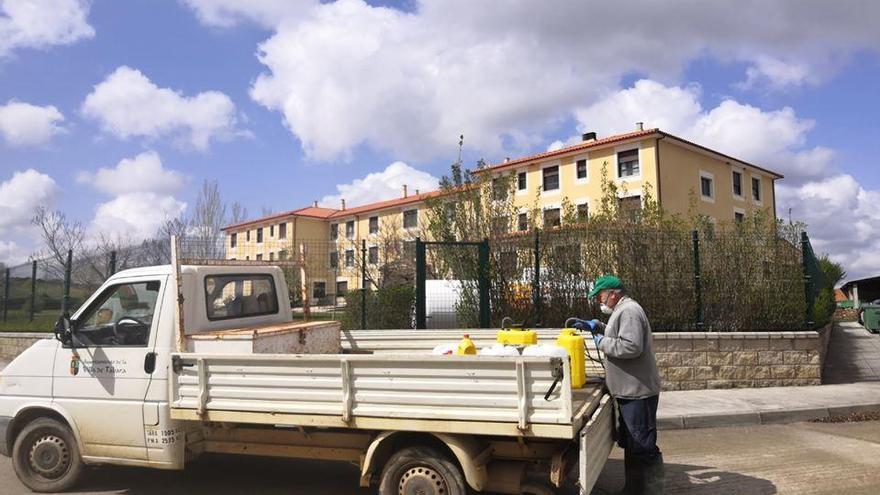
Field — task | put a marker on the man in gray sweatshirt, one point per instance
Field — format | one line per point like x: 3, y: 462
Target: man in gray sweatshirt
x: 632, y: 377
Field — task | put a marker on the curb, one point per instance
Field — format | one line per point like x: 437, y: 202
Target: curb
x: 774, y: 416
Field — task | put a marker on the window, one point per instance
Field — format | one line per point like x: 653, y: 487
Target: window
x: 233, y: 240
x: 341, y: 288
x: 282, y: 255
x: 756, y: 188
x: 240, y: 296
x: 522, y: 222
x: 552, y: 218
x: 271, y: 231
x: 581, y: 166
x: 508, y: 262
x: 521, y: 181
x: 349, y: 258
x: 374, y: 225
x: 501, y: 225
x: 738, y: 217
x: 259, y: 257
x: 271, y: 256
x: 551, y: 178
x: 282, y: 231
x: 122, y: 316
x: 499, y: 189
x: 349, y: 229
x: 373, y: 255
x: 247, y: 236
x: 706, y: 189
x: 260, y: 235
x: 583, y: 212
x: 628, y: 163
x: 737, y: 183
x: 410, y: 219
x: 334, y: 231
x: 631, y: 207
x: 334, y: 259
x: 319, y: 290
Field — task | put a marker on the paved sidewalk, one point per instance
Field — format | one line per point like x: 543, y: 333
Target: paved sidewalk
x: 853, y: 355
x: 752, y: 406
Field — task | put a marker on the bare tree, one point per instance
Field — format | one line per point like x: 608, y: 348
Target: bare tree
x: 59, y: 236
x: 205, y: 236
x: 157, y: 251
x: 237, y: 213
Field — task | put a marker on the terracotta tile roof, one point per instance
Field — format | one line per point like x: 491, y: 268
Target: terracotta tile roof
x: 577, y: 147
x: 309, y: 211
x: 391, y: 203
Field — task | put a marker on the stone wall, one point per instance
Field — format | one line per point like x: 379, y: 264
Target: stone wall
x: 14, y: 343
x: 699, y: 360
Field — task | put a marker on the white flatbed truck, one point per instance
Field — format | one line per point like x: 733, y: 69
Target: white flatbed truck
x: 126, y: 384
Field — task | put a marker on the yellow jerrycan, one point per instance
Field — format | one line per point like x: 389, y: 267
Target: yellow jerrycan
x: 515, y: 336
x: 466, y: 346
x: 573, y: 343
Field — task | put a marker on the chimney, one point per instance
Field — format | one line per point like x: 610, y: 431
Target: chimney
x: 343, y: 203
x: 316, y: 203
x: 640, y: 126
x: 506, y: 159
x: 404, y: 191
x: 417, y: 192
x: 588, y: 136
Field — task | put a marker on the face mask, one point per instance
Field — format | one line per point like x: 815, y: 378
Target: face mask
x: 605, y: 309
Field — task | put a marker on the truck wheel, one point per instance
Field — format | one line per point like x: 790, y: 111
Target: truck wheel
x: 46, y: 457
x: 421, y: 471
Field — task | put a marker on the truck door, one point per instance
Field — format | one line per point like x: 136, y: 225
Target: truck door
x: 102, y: 382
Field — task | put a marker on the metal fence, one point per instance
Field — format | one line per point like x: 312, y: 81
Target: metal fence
x: 685, y: 280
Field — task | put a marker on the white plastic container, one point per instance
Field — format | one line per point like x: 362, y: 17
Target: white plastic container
x: 545, y: 350
x: 447, y: 349
x: 499, y: 350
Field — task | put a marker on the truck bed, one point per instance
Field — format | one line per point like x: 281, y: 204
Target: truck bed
x: 416, y: 392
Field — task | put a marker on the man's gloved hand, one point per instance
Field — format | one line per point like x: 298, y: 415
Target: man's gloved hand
x: 587, y: 325
x: 598, y: 338
x: 598, y: 325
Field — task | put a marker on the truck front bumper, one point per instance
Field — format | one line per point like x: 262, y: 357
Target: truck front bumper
x: 5, y: 421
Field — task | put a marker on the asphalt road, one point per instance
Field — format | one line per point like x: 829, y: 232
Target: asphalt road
x: 803, y: 458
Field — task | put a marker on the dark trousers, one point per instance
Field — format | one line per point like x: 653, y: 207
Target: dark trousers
x: 637, y: 429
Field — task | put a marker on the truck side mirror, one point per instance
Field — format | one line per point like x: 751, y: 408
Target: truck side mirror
x: 63, y: 331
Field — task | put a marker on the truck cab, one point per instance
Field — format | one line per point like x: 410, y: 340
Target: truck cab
x: 99, y: 391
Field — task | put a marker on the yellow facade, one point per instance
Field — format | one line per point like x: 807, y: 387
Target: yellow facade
x: 683, y: 177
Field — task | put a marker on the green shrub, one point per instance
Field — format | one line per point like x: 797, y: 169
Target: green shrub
x: 387, y: 308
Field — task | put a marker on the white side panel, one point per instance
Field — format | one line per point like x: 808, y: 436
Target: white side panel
x: 596, y: 442
x: 423, y: 387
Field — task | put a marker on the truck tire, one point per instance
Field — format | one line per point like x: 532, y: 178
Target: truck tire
x: 45, y: 456
x: 421, y: 470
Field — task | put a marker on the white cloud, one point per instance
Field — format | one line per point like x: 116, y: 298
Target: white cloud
x: 379, y: 186
x: 11, y: 253
x: 136, y: 215
x: 20, y: 194
x: 23, y: 124
x: 127, y: 104
x: 266, y: 13
x: 143, y: 173
x: 346, y: 74
x: 772, y: 139
x: 42, y: 23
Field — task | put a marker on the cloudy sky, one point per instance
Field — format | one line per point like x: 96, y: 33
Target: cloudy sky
x: 114, y: 111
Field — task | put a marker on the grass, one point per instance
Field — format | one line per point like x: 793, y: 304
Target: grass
x: 17, y: 321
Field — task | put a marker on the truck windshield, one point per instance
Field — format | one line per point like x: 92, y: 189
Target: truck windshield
x: 238, y: 296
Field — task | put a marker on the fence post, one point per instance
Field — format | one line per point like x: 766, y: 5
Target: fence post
x: 806, y: 252
x: 484, y: 283
x: 698, y: 287
x: 536, y: 281
x: 112, y: 262
x: 65, y: 299
x: 421, y: 274
x: 363, y: 284
x: 6, y: 295
x: 33, y: 289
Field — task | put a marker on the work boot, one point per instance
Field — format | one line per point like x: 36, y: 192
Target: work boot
x: 634, y: 475
x: 655, y: 476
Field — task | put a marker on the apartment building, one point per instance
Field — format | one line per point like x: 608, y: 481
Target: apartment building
x: 681, y: 175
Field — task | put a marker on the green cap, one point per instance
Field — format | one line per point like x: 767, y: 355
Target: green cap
x: 605, y: 282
